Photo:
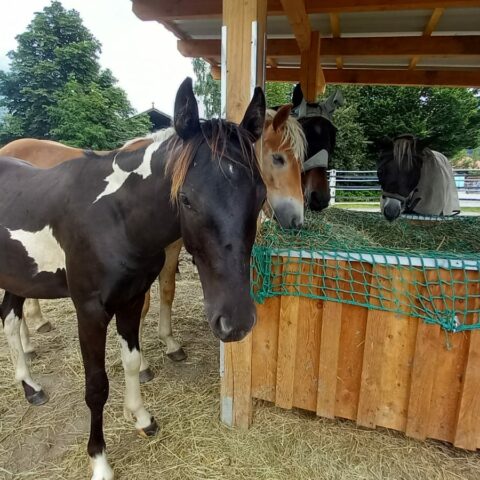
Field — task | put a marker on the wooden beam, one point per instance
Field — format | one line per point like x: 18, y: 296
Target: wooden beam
x: 374, y: 46
x: 181, y: 9
x: 427, y: 32
x: 335, y: 27
x: 311, y: 74
x: 272, y: 62
x: 298, y: 20
x: 244, y: 25
x: 446, y: 78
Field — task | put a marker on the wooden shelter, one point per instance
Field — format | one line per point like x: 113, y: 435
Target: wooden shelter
x: 390, y: 42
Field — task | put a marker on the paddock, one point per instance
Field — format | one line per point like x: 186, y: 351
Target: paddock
x: 47, y: 443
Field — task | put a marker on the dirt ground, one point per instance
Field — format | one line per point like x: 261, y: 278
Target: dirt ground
x: 49, y: 442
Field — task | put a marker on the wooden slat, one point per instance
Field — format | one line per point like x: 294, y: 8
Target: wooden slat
x: 182, y: 9
x: 299, y: 22
x: 287, y: 346
x: 467, y: 434
x: 452, y: 354
x: 355, y: 47
x: 265, y: 350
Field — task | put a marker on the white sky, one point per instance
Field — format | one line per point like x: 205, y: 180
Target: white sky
x: 143, y: 56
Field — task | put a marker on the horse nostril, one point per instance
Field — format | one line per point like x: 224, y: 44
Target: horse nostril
x: 223, y: 327
x: 296, y: 222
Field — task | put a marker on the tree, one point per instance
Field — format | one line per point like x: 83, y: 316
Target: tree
x: 56, y: 49
x: 207, y: 88
x: 94, y: 116
x: 278, y: 93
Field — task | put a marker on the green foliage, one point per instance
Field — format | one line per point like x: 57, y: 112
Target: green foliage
x: 278, y: 93
x: 55, y: 68
x: 94, y: 116
x: 207, y: 88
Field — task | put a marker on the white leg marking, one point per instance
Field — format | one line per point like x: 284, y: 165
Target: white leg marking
x: 25, y: 337
x: 12, y: 332
x: 101, y: 468
x: 32, y: 313
x: 133, y: 398
x: 167, y: 292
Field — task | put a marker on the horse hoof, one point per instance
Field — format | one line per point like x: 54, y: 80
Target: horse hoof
x: 38, y: 398
x: 146, y: 375
x: 177, y: 356
x: 149, y: 431
x: 30, y: 355
x: 45, y: 328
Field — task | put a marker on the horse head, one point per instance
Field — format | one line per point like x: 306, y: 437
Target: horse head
x: 283, y: 153
x: 320, y: 134
x: 399, y: 166
x: 217, y: 186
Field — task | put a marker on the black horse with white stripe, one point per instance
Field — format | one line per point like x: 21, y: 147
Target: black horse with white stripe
x: 95, y: 229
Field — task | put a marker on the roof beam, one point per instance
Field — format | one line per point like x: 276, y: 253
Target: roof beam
x: 335, y: 27
x: 427, y: 32
x: 181, y: 9
x: 298, y: 20
x: 390, y: 46
x: 448, y: 78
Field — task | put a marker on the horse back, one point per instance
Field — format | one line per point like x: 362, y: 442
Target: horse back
x: 41, y: 153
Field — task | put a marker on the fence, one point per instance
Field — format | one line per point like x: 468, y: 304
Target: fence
x: 362, y: 186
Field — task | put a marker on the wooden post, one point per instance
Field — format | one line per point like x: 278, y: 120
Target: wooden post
x: 243, y: 67
x: 311, y: 73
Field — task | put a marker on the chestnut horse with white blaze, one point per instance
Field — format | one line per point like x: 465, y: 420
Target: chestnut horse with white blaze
x: 284, y: 148
x: 95, y: 229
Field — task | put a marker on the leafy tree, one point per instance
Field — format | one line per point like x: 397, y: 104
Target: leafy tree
x: 94, y: 116
x: 278, y: 93
x: 55, y: 50
x: 207, y: 88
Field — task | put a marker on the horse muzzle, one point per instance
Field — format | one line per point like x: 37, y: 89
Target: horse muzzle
x: 391, y: 207
x: 288, y: 212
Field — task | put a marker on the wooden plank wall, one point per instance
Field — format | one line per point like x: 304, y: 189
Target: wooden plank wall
x: 374, y: 367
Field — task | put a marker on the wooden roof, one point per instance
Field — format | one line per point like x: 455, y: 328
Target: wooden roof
x: 362, y: 41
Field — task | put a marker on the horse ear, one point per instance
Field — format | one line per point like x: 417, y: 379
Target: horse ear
x: 281, y: 116
x: 297, y: 95
x: 185, y: 118
x: 422, y: 143
x: 254, y: 118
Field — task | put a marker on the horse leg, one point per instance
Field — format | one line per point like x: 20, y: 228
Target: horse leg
x: 167, y: 291
x: 128, y: 324
x: 92, y: 331
x: 11, y: 313
x: 33, y: 315
x: 28, y: 349
x: 146, y: 373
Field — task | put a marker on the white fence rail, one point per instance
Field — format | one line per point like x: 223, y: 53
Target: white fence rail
x: 349, y: 185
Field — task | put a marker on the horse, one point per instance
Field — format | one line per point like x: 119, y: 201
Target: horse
x: 415, y: 179
x: 283, y: 145
x: 95, y: 229
x: 316, y: 121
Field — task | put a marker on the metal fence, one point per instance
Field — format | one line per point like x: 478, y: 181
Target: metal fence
x: 357, y: 186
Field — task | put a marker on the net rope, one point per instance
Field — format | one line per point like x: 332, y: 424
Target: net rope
x: 424, y: 269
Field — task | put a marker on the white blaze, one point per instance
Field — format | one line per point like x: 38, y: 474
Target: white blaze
x: 42, y: 247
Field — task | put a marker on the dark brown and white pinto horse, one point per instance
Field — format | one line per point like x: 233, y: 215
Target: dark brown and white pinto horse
x: 95, y: 229
x: 320, y: 133
x: 283, y: 151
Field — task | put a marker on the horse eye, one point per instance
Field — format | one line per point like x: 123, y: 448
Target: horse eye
x: 278, y: 159
x: 185, y: 201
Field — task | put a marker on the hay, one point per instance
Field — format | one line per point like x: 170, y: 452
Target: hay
x: 49, y: 443
x: 346, y: 230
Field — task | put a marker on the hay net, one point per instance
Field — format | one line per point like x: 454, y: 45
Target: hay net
x: 429, y: 270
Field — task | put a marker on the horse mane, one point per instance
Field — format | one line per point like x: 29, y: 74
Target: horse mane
x: 217, y: 133
x: 292, y: 135
x: 404, y: 147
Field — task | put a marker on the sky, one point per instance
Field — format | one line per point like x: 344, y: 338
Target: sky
x: 143, y: 56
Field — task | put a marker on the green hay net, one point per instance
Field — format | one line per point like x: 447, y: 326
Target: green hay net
x: 424, y: 269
